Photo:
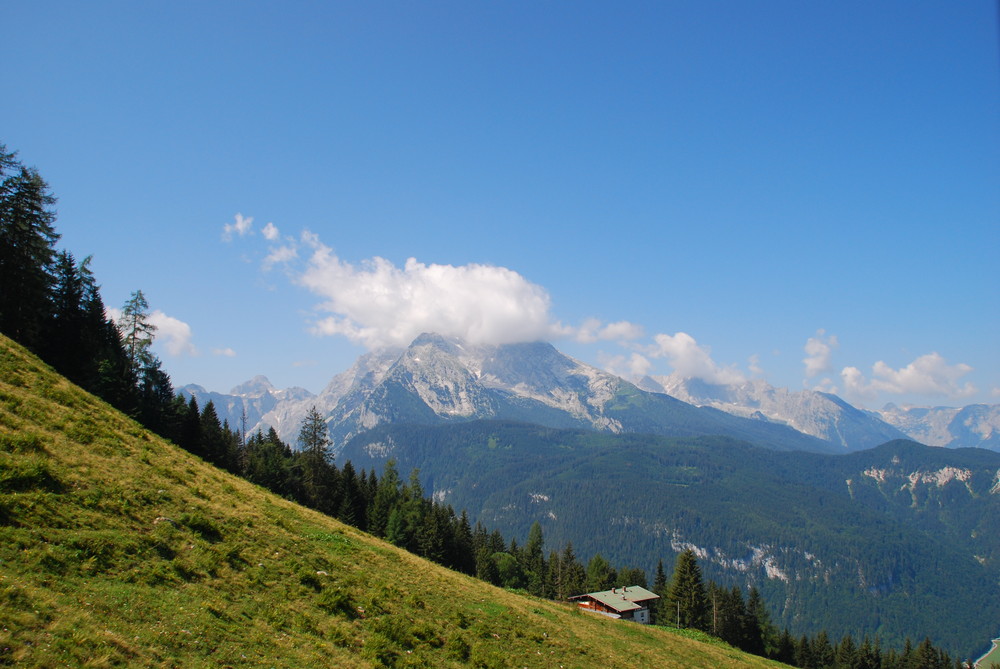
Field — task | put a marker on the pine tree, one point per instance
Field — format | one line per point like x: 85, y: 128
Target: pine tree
x: 554, y: 576
x: 846, y: 653
x: 534, y: 561
x: 869, y: 655
x: 687, y: 592
x: 927, y: 657
x: 759, y: 633
x: 486, y: 566
x: 627, y: 576
x: 62, y: 349
x: 156, y: 396
x: 317, y: 475
x: 574, y: 575
x: 137, y: 332
x: 784, y: 650
x: 659, y: 607
x: 386, y: 497
x: 600, y: 575
x: 213, y: 441
x: 27, y: 252
x: 465, y: 555
x: 351, y: 509
x: 191, y: 428
x: 823, y: 654
x: 804, y: 654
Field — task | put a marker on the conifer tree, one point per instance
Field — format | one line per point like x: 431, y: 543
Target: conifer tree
x: 191, y: 428
x: 627, y: 576
x: 317, y: 475
x: 869, y: 655
x: 823, y: 654
x: 758, y: 630
x: 27, y: 251
x: 600, y: 575
x: 386, y: 497
x: 534, y: 560
x: 658, y: 610
x: 352, y: 507
x: 486, y: 566
x: 213, y: 443
x: 784, y: 650
x: 687, y: 592
x: 63, y: 347
x: 465, y: 556
x: 137, y: 331
x: 574, y: 575
x: 846, y: 652
x: 803, y: 653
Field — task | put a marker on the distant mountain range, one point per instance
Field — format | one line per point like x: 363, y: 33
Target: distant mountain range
x: 821, y: 415
x: 439, y: 380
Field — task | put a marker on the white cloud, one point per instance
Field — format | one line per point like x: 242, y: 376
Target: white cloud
x: 379, y: 304
x: 270, y: 232
x: 818, y: 353
x: 240, y: 226
x: 225, y: 352
x: 690, y: 360
x: 280, y: 254
x: 855, y: 385
x: 929, y: 375
x: 175, y: 334
x: 826, y: 385
x: 594, y: 330
x: 635, y: 366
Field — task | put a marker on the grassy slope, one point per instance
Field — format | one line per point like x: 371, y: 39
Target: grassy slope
x: 117, y: 548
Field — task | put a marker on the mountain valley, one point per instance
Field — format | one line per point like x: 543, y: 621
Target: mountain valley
x: 879, y: 541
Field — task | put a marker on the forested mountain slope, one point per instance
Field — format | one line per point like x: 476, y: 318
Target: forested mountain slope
x: 119, y: 548
x: 897, y: 541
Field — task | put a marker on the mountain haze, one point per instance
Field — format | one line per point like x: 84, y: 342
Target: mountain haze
x: 822, y: 415
x: 973, y: 426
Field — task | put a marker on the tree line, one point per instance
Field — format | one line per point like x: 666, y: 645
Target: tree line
x: 51, y: 304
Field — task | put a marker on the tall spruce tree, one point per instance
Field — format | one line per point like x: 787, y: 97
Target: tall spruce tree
x: 534, y: 561
x: 27, y: 251
x: 317, y: 473
x: 659, y: 609
x: 137, y: 332
x: 600, y: 574
x: 687, y: 592
x: 574, y: 576
x: 386, y: 497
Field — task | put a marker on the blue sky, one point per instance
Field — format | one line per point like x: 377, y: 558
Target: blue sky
x: 807, y: 193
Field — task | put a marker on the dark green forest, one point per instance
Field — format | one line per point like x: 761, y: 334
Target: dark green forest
x: 855, y: 558
x: 50, y: 302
